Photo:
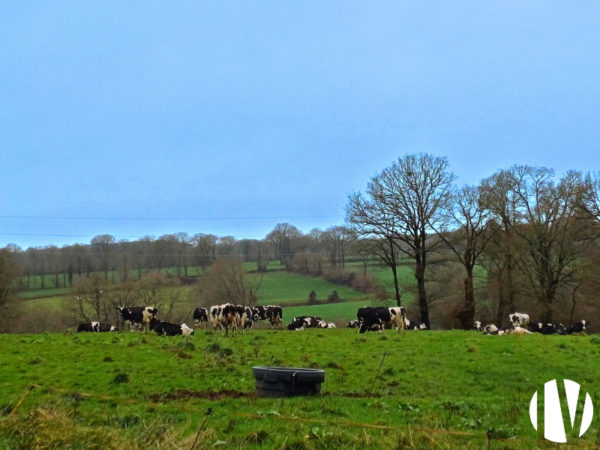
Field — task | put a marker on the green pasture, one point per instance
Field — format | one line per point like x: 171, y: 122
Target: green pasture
x: 440, y: 389
x: 283, y: 287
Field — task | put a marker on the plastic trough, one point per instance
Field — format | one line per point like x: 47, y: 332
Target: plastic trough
x: 287, y: 381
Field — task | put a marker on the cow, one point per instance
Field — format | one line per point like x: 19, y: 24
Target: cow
x: 297, y: 324
x: 577, y: 327
x: 224, y: 317
x: 413, y: 325
x: 105, y: 328
x: 139, y: 315
x: 200, y: 316
x: 89, y: 327
x: 491, y: 329
x: 371, y: 319
x: 388, y: 318
x: 243, y: 317
x: 331, y: 325
x: 302, y: 322
x: 519, y: 319
x: 353, y: 324
x: 170, y: 329
x: 398, y: 317
x: 275, y: 315
x: 547, y: 328
x: 96, y: 327
x: 478, y: 325
x: 258, y: 313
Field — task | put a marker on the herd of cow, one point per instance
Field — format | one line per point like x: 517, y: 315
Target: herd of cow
x: 239, y: 318
x: 519, y: 323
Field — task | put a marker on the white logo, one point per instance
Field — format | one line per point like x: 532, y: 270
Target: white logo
x: 554, y: 427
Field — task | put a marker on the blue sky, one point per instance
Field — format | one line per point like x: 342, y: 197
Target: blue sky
x: 148, y: 118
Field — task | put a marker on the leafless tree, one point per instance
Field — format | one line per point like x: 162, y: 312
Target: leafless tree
x: 282, y: 238
x: 550, y: 229
x: 104, y: 249
x: 499, y: 197
x: 225, y: 282
x: 416, y: 190
x: 590, y: 198
x: 467, y: 234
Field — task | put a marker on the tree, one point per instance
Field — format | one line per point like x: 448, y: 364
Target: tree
x: 467, y: 236
x: 590, y: 196
x: 337, y: 240
x: 414, y: 192
x: 550, y: 229
x: 205, y: 250
x: 498, y: 196
x: 282, y: 237
x: 225, y: 282
x: 103, y: 247
x: 372, y: 221
x: 8, y: 274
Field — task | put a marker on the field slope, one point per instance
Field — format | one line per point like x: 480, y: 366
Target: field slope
x: 440, y: 389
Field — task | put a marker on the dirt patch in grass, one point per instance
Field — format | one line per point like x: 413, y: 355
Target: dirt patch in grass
x: 183, y: 394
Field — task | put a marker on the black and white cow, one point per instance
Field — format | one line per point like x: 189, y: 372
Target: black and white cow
x: 258, y: 313
x: 200, y: 316
x: 547, y: 328
x: 89, y: 327
x: 170, y: 329
x: 243, y: 317
x: 302, y: 322
x: 414, y: 325
x: 353, y: 324
x: 578, y: 327
x: 389, y: 317
x: 519, y: 319
x: 275, y: 315
x: 370, y: 319
x: 224, y: 317
x: 139, y: 316
x: 96, y: 327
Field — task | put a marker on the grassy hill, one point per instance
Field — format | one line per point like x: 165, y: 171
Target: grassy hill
x: 442, y: 389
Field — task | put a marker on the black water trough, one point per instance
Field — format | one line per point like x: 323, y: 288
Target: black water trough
x: 287, y: 381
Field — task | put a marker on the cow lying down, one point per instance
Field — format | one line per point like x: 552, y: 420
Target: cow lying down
x: 170, y: 329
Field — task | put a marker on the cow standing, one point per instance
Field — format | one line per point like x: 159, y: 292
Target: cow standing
x: 275, y: 315
x: 200, y: 316
x: 224, y: 317
x: 139, y: 316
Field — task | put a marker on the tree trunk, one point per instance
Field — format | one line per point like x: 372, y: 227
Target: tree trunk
x: 466, y: 313
x: 420, y: 276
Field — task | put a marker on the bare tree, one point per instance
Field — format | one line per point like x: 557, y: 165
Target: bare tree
x: 337, y: 240
x: 499, y: 197
x: 467, y: 236
x: 415, y: 190
x: 371, y: 220
x: 205, y: 250
x: 590, y: 198
x: 104, y: 247
x: 225, y: 281
x: 282, y: 238
x: 550, y: 230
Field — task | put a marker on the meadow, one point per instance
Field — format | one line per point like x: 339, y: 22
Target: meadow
x: 437, y: 389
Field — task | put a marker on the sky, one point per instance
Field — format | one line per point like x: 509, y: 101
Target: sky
x: 146, y: 118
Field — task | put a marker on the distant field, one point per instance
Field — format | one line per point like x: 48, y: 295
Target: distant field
x: 426, y: 390
x: 332, y: 312
x: 284, y: 287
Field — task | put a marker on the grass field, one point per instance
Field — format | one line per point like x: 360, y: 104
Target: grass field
x: 442, y: 389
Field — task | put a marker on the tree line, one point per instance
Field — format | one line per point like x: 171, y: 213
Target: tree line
x: 522, y: 238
